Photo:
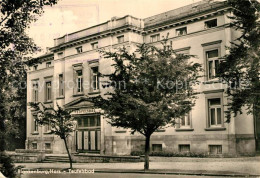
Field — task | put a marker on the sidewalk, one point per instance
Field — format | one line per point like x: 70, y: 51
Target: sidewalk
x: 247, y: 166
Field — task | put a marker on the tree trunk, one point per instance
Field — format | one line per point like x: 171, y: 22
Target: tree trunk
x: 147, y: 152
x: 256, y: 121
x: 68, y: 152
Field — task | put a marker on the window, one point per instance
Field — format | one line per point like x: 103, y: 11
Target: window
x: 94, y: 45
x: 211, y: 23
x: 181, y: 31
x: 61, y: 85
x: 79, y: 80
x: 35, y: 67
x: 213, y: 63
x: 89, y: 121
x: 95, y: 78
x: 184, y: 148
x: 48, y: 64
x: 35, y: 92
x: 47, y: 127
x: 215, y: 149
x: 79, y: 49
x: 48, y: 91
x: 155, y: 38
x: 120, y: 39
x: 47, y: 146
x: 185, y: 121
x: 34, y: 146
x: 156, y: 147
x: 35, y: 125
x: 215, y: 112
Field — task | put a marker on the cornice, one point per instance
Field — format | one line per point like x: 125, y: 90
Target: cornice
x: 183, y: 20
x: 97, y: 36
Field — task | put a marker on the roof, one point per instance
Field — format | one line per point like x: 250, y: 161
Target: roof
x: 182, y: 12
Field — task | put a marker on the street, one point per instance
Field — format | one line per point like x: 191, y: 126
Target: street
x: 106, y: 175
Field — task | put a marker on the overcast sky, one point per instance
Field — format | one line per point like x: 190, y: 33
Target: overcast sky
x: 72, y: 15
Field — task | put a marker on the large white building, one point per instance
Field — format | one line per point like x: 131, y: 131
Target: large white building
x: 64, y: 75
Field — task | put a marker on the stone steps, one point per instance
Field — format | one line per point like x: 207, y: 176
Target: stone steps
x: 53, y: 159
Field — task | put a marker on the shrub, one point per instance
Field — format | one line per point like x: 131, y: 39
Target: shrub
x: 7, y: 168
x: 170, y: 154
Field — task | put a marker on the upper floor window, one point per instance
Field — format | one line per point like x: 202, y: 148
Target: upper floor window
x: 47, y: 127
x: 48, y: 91
x: 120, y: 39
x: 155, y: 38
x: 185, y: 121
x: 94, y: 45
x: 79, y: 80
x: 79, y: 49
x: 181, y: 31
x: 61, y: 85
x: 35, y: 67
x: 35, y: 124
x: 211, y: 23
x: 48, y: 64
x: 95, y: 78
x: 35, y: 91
x: 215, y: 112
x: 213, y: 63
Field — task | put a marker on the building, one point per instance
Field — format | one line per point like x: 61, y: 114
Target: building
x: 68, y: 76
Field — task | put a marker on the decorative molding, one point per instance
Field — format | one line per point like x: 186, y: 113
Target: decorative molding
x: 77, y: 65
x: 93, y: 61
x: 183, y: 129
x: 78, y: 94
x: 120, y: 131
x: 160, y: 130
x: 211, y: 43
x: 47, y: 102
x: 215, y: 129
x: 182, y: 49
x: 213, y: 91
x: 47, y: 77
x: 60, y: 97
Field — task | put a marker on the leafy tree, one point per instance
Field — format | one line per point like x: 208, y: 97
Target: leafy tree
x: 241, y: 67
x: 15, y: 18
x: 59, y: 119
x: 149, y: 89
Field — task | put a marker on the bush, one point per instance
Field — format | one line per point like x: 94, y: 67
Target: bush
x: 7, y: 168
x: 137, y: 153
x: 170, y: 154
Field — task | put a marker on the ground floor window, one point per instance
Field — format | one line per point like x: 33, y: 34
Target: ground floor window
x: 215, y: 149
x: 156, y: 147
x: 34, y: 146
x: 47, y: 146
x: 184, y: 148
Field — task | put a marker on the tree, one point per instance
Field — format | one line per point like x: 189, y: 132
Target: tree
x: 241, y: 67
x: 15, y: 17
x: 59, y: 119
x: 150, y: 89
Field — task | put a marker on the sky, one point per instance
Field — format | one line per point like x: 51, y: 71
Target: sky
x: 72, y: 15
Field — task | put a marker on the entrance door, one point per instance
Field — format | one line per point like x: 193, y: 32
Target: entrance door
x: 88, y: 140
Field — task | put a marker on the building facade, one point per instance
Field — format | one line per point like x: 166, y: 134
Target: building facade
x: 67, y: 75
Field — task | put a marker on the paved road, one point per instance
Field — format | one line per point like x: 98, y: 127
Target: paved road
x: 106, y: 175
x: 240, y: 167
